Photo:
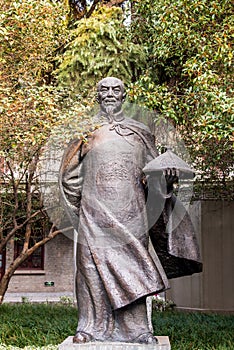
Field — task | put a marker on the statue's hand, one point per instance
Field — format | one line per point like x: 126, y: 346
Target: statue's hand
x: 172, y: 177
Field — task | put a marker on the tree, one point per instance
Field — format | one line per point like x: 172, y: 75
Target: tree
x: 33, y: 108
x: 31, y: 32
x: 99, y: 46
x: 84, y: 9
x: 189, y: 76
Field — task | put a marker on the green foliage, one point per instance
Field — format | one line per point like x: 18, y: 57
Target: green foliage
x: 99, y: 47
x: 65, y: 300
x: 30, y: 33
x: 204, y: 119
x: 26, y: 119
x: 186, y: 37
x: 159, y: 304
x: 189, y: 78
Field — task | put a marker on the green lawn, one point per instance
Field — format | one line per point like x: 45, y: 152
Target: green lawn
x: 42, y: 326
x: 196, y: 331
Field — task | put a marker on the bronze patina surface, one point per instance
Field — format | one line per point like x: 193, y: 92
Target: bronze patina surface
x: 104, y: 191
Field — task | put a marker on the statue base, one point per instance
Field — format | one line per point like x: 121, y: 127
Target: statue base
x: 163, y: 344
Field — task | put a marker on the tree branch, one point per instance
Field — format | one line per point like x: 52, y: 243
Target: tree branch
x: 15, y: 229
x: 92, y: 8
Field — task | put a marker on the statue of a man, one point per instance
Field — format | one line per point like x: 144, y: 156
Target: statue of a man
x: 104, y: 191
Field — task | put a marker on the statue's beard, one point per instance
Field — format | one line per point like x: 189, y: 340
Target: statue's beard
x: 111, y: 109
x: 110, y: 112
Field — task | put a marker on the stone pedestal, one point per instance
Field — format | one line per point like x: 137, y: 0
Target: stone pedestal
x: 163, y: 344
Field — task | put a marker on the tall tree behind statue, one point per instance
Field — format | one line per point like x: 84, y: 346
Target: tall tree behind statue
x: 189, y: 77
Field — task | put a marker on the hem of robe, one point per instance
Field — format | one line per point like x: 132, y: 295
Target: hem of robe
x: 140, y: 297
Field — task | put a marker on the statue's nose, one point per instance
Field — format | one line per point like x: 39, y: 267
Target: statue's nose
x: 110, y: 92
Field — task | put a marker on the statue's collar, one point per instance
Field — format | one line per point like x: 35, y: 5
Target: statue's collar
x: 116, y: 117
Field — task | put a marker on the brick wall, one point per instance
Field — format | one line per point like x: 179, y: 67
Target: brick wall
x: 58, y: 267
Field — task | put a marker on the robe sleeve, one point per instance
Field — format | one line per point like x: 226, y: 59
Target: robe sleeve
x: 172, y: 233
x: 70, y: 182
x: 174, y: 240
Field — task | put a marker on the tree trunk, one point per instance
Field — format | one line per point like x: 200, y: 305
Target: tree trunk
x: 10, y: 271
x: 4, y: 284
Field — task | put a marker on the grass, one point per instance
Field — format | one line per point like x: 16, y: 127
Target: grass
x: 36, y: 324
x: 43, y: 326
x: 196, y: 331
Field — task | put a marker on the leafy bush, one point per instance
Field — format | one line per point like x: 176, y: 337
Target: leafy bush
x: 160, y: 304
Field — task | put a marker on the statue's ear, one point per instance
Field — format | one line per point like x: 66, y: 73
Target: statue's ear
x: 124, y: 97
x: 98, y: 98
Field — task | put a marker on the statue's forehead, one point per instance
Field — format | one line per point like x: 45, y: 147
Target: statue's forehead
x: 110, y: 82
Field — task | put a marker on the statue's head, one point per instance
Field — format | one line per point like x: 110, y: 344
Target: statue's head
x: 110, y: 94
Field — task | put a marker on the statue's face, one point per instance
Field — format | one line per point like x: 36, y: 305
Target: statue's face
x: 111, y: 95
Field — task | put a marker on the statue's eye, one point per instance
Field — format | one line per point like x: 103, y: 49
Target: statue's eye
x: 117, y: 91
x: 104, y: 89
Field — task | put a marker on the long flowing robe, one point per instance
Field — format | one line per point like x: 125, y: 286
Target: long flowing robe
x: 103, y: 189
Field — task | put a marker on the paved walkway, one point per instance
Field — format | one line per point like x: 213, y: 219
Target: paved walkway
x: 37, y: 297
